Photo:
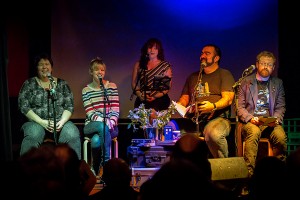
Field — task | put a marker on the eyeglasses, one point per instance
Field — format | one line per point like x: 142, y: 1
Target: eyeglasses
x: 266, y: 64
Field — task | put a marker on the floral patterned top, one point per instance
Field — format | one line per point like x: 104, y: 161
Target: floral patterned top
x: 34, y: 97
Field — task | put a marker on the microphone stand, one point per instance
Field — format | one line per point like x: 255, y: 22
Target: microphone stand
x: 145, y: 86
x: 54, y: 98
x: 235, y: 88
x: 197, y: 95
x: 104, y: 117
x: 143, y: 67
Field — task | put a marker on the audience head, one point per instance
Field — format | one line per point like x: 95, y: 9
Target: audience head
x: 293, y: 172
x: 177, y: 179
x: 42, y: 175
x: 269, y: 176
x: 190, y: 147
x: 116, y: 172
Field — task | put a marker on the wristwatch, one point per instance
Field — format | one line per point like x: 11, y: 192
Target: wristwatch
x: 215, y: 107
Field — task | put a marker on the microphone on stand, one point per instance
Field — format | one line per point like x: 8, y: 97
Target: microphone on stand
x: 53, y: 83
x: 250, y: 69
x: 203, y: 64
x: 100, y: 80
x: 50, y: 77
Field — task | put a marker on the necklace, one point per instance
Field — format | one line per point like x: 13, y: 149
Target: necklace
x: 44, y: 85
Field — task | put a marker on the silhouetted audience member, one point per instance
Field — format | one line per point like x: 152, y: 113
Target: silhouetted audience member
x: 180, y: 179
x: 117, y: 177
x: 52, y: 172
x: 190, y: 147
x: 293, y: 173
x: 79, y: 178
x: 269, y: 179
x: 41, y: 175
x: 10, y: 179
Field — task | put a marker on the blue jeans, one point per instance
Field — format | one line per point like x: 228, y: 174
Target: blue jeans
x: 94, y: 130
x: 251, y: 135
x: 34, y: 135
x: 215, y: 133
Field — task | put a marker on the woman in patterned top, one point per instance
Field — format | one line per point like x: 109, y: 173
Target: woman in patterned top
x: 38, y: 98
x: 152, y: 64
x: 100, y: 101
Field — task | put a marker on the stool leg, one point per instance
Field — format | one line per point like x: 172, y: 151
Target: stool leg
x: 270, y: 150
x: 85, y: 149
x: 116, y: 148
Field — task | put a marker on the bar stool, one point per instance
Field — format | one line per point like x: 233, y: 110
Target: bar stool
x: 87, y: 149
x: 240, y: 144
x: 87, y: 155
x: 261, y: 141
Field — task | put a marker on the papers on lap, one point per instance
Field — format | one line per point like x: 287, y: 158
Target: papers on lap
x: 182, y: 110
x: 267, y: 120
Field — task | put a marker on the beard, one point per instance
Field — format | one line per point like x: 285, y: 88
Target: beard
x: 264, y: 73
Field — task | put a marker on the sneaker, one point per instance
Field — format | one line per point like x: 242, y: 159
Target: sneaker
x: 99, y: 180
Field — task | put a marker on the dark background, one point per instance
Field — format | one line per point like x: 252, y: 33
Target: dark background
x: 74, y: 32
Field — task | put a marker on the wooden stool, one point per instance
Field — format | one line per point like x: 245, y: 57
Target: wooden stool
x: 261, y: 141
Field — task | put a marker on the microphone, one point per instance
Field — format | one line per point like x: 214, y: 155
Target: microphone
x: 100, y: 79
x: 50, y: 77
x: 53, y: 83
x: 250, y: 69
x: 203, y: 64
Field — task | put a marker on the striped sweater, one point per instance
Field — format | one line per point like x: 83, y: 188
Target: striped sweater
x: 94, y: 103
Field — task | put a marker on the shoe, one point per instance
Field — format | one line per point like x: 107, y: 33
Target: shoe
x: 244, y: 191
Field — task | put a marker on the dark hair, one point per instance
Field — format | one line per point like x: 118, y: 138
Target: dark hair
x: 44, y: 56
x: 217, y: 50
x: 149, y: 44
x: 116, y: 172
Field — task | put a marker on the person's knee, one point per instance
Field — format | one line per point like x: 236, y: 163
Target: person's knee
x: 95, y: 141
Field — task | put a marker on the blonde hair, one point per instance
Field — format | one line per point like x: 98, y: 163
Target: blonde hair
x: 96, y: 61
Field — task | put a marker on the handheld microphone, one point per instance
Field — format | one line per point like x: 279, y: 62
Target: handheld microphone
x: 250, y: 69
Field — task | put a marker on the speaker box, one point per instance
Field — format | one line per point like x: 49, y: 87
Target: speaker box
x: 231, y: 173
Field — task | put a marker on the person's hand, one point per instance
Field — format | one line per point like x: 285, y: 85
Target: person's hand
x: 59, y: 125
x: 140, y: 95
x: 46, y: 124
x: 205, y: 107
x: 255, y: 121
x: 150, y: 98
x: 110, y: 123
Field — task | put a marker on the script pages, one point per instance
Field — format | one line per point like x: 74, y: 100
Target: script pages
x: 265, y: 121
x: 182, y: 110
